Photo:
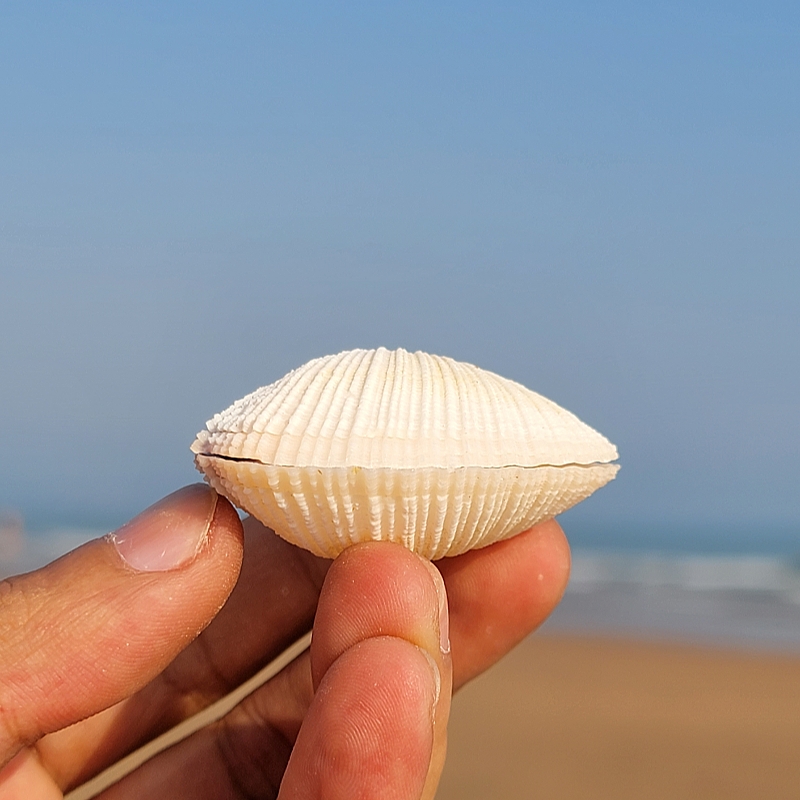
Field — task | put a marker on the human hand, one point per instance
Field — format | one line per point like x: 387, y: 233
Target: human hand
x: 357, y: 716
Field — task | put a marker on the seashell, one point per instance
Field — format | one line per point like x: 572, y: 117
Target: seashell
x: 433, y: 453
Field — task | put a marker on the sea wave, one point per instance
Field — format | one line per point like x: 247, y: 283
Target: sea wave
x: 689, y: 572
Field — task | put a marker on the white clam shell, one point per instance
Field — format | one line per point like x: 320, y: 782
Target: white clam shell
x: 436, y: 454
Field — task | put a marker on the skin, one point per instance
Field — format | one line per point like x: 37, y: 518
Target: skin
x: 97, y: 658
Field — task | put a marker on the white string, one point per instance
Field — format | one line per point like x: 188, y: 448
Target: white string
x: 183, y: 730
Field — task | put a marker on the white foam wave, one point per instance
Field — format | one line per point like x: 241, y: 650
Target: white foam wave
x: 734, y: 573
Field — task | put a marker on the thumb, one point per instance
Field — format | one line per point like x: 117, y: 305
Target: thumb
x: 96, y: 625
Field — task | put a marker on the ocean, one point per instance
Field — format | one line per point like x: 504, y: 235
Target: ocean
x: 739, y: 600
x: 712, y: 592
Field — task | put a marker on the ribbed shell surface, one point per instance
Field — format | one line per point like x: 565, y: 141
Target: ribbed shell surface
x: 380, y: 408
x: 375, y: 444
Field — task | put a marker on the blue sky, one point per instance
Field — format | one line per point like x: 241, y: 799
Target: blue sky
x: 599, y: 200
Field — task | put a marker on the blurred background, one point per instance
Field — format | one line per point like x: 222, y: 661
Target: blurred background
x: 598, y: 200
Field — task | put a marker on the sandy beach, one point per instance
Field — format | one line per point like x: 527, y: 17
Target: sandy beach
x: 572, y: 716
x: 581, y: 717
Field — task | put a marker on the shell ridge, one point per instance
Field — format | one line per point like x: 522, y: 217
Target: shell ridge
x: 258, y: 412
x: 413, y: 372
x: 483, y: 492
x: 447, y: 497
x: 473, y: 409
x: 385, y: 406
x: 368, y: 426
x: 328, y: 445
x: 318, y: 433
x: 451, y: 424
x: 504, y: 487
x: 526, y: 505
x: 426, y: 408
x: 408, y: 491
x: 458, y: 509
x: 328, y: 479
x: 302, y: 413
x: 491, y: 493
x: 424, y: 493
x: 274, y: 410
x: 346, y: 499
x: 349, y: 391
x: 284, y: 503
x: 323, y: 510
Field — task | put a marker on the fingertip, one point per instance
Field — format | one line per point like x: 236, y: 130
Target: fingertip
x: 371, y: 589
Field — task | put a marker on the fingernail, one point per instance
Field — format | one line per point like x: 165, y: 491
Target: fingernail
x: 169, y: 534
x: 444, y: 615
x: 437, y: 679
